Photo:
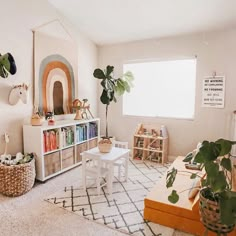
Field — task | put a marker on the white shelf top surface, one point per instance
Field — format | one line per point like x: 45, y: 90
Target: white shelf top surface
x: 61, y: 123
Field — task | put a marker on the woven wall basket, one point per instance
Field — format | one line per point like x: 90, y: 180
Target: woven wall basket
x: 16, y: 180
x: 210, y: 216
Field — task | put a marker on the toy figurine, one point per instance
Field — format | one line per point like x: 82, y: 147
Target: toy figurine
x: 81, y: 109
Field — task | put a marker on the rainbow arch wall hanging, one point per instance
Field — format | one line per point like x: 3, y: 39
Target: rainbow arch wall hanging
x: 56, y: 72
x: 55, y: 69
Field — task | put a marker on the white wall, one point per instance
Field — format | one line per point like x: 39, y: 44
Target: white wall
x: 18, y: 18
x: 215, y: 51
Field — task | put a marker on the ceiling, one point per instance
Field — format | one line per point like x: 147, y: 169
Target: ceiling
x: 119, y: 21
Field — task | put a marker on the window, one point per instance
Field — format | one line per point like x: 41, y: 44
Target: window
x: 162, y: 88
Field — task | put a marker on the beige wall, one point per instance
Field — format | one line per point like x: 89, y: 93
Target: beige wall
x: 215, y: 52
x: 18, y: 18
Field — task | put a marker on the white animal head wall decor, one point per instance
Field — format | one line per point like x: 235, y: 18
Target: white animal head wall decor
x: 19, y: 92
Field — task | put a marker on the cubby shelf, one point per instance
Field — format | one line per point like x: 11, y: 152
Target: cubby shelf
x: 62, y: 151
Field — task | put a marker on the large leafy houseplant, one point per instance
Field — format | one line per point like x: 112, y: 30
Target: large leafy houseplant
x: 216, y: 183
x: 112, y: 86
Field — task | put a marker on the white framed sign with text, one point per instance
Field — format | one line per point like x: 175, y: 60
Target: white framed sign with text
x: 213, y: 92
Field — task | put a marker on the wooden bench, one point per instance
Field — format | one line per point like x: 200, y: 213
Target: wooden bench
x: 184, y: 215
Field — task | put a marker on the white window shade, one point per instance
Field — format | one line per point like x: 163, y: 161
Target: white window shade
x: 162, y: 88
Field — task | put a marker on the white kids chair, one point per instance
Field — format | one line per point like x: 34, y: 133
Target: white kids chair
x: 92, y: 167
x: 121, y: 162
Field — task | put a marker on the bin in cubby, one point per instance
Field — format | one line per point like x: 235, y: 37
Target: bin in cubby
x: 52, y: 163
x: 67, y: 157
x: 81, y: 148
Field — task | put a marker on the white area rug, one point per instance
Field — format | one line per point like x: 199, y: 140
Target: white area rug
x: 124, y: 210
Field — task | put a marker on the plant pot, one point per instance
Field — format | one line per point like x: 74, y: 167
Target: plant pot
x: 36, y: 120
x: 210, y: 215
x: 105, y: 145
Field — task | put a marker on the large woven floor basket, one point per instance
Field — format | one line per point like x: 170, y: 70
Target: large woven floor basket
x: 16, y: 180
x: 210, y: 216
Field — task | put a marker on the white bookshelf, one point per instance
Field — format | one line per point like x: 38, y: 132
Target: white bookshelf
x: 64, y: 155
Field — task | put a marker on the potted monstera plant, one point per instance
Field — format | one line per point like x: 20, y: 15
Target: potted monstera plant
x: 111, y: 87
x: 217, y: 200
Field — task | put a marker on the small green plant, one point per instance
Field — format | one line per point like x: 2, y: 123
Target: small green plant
x: 112, y: 86
x: 28, y: 157
x: 214, y: 158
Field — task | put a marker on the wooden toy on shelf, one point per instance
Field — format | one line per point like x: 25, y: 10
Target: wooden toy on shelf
x: 81, y: 109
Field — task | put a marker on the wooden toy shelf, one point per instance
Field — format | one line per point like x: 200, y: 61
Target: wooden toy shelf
x: 149, y: 145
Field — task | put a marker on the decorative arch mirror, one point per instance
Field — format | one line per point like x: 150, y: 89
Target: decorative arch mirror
x: 55, y: 69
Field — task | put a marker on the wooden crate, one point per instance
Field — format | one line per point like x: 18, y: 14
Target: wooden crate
x: 81, y: 148
x: 52, y: 163
x: 67, y: 157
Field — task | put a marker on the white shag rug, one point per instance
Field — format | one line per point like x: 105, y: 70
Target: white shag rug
x: 124, y: 209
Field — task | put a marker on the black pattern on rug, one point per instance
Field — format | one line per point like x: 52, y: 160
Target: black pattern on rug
x: 124, y: 210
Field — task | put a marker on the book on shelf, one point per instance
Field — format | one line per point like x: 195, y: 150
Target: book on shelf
x: 66, y: 136
x: 81, y: 132
x: 93, y: 129
x: 50, y: 140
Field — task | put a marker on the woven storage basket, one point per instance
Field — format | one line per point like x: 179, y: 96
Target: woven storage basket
x: 210, y: 216
x: 104, y: 147
x: 16, y: 180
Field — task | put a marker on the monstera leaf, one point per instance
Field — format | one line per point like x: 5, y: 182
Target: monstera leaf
x: 170, y: 178
x: 7, y: 65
